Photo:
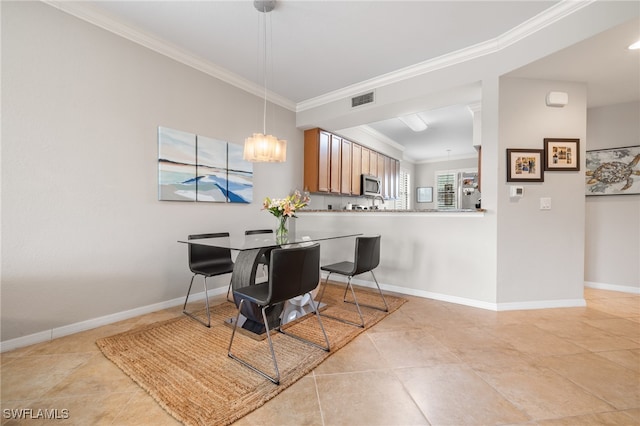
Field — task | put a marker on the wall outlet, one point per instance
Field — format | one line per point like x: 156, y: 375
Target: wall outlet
x: 545, y: 203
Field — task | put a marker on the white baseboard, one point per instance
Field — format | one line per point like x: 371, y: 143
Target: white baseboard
x: 509, y: 306
x: 612, y: 287
x: 65, y: 330
x: 56, y: 332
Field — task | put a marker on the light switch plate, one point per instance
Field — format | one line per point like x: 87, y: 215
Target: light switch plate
x: 545, y: 203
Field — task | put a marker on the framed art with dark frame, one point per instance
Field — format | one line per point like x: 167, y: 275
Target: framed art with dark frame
x: 525, y: 165
x: 562, y: 155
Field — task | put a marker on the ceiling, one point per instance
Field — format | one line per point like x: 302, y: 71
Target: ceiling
x: 320, y: 47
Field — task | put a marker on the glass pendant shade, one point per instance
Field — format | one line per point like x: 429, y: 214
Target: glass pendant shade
x: 265, y: 148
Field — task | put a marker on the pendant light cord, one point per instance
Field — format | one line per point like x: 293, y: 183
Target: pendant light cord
x: 264, y: 59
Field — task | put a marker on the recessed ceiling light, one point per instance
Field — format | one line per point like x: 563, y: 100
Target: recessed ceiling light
x: 635, y: 45
x: 415, y: 122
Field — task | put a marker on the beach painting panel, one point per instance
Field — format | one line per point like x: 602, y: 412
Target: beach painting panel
x: 211, y: 183
x: 240, y: 175
x: 176, y: 165
x: 199, y: 168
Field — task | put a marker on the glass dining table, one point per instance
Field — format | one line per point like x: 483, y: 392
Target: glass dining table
x: 250, y: 249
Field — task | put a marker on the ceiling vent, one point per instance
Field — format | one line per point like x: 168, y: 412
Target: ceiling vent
x: 363, y: 99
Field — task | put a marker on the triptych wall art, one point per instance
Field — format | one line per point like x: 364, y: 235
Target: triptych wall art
x: 198, y: 168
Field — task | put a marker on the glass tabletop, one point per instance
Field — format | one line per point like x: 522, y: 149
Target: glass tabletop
x: 251, y: 242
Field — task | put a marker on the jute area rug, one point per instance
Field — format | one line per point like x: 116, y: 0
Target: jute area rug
x: 184, y: 365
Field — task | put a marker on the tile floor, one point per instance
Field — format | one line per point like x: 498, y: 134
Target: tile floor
x: 429, y: 363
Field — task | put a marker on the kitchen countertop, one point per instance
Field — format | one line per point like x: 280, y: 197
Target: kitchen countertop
x: 392, y: 211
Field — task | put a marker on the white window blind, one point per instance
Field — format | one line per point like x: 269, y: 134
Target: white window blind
x: 447, y: 187
x: 403, y: 201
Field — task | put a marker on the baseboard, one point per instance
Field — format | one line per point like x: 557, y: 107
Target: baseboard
x: 54, y: 333
x: 612, y: 287
x: 509, y: 306
x: 66, y: 330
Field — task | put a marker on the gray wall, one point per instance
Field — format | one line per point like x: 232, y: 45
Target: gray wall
x: 83, y: 234
x: 541, y: 252
x: 612, y: 250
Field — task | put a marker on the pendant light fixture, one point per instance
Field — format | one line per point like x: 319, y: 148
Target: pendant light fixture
x: 261, y: 147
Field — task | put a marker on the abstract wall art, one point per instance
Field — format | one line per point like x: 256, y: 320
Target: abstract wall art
x: 198, y: 168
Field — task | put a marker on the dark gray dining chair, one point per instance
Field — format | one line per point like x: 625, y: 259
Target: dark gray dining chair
x: 264, y: 259
x: 208, y: 262
x: 365, y: 259
x: 292, y: 272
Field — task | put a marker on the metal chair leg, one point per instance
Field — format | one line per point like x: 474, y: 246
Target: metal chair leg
x: 326, y: 339
x: 386, y: 307
x: 275, y: 379
x: 361, y: 325
x: 206, y: 299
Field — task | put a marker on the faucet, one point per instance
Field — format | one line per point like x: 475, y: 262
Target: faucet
x: 373, y: 201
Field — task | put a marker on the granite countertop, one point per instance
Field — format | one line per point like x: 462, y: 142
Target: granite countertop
x: 391, y: 211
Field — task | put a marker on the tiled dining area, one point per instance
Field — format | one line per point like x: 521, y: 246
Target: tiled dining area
x: 430, y: 362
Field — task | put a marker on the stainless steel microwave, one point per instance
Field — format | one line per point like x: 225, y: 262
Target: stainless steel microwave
x: 370, y: 185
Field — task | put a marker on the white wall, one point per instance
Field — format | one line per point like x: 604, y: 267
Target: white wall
x: 612, y: 248
x: 540, y: 252
x: 83, y: 234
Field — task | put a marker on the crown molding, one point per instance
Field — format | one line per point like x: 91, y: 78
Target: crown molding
x: 382, y: 138
x: 547, y: 17
x: 89, y: 14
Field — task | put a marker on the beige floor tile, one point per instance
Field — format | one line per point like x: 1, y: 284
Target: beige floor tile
x: 368, y: 398
x: 611, y: 382
x: 614, y: 418
x: 494, y: 360
x: 297, y: 405
x: 543, y: 393
x: 623, y: 307
x: 359, y: 355
x: 453, y: 365
x: 97, y: 375
x: 30, y: 377
x: 455, y: 395
x: 533, y: 340
x: 617, y: 326
x: 411, y: 348
x: 142, y: 409
x: 80, y: 410
x: 629, y: 359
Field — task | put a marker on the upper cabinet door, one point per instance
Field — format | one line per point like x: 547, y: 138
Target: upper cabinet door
x: 365, y: 161
x: 336, y: 166
x: 356, y: 168
x: 345, y: 173
x: 316, y: 160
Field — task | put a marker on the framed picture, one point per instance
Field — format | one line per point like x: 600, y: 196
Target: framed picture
x: 525, y: 165
x: 561, y: 154
x: 614, y: 171
x: 425, y: 194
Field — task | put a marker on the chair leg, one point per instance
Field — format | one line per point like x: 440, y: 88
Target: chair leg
x: 206, y: 300
x: 386, y: 307
x: 228, y: 293
x: 275, y: 379
x: 361, y: 325
x: 326, y: 339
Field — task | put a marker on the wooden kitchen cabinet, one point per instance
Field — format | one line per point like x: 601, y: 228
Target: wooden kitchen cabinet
x: 373, y: 163
x: 335, y: 160
x: 365, y: 160
x: 316, y: 160
x: 356, y: 168
x: 345, y: 170
x: 334, y: 165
